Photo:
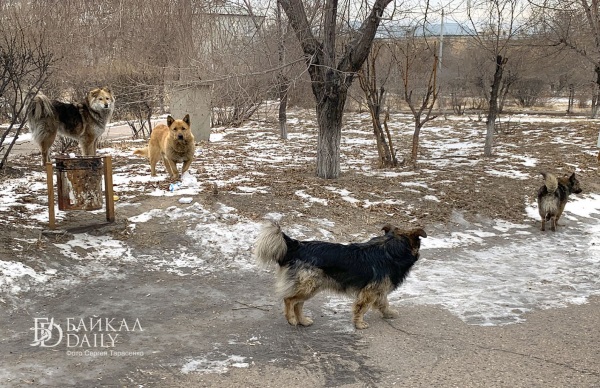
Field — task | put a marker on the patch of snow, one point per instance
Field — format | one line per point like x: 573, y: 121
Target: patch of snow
x: 205, y: 365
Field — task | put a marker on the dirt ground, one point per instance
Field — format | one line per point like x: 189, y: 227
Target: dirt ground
x: 460, y: 184
x: 224, y: 327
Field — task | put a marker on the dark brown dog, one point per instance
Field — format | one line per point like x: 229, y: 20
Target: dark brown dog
x: 553, y: 195
x: 369, y: 271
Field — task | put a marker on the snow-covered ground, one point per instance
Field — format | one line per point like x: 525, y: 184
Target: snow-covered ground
x: 487, y: 273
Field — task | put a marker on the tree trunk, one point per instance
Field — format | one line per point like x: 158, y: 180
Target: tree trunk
x: 283, y: 99
x: 415, y: 141
x: 383, y: 148
x: 571, y: 98
x: 390, y: 143
x: 282, y: 80
x: 596, y: 97
x: 493, y: 109
x: 329, y: 115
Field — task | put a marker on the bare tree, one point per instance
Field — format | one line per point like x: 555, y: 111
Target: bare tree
x: 495, y: 32
x: 24, y: 68
x: 420, y: 89
x: 332, y: 75
x: 374, y: 90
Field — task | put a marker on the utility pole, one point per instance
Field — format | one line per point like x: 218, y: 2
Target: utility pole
x: 439, y: 67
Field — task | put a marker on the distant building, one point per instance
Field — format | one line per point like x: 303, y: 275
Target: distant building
x: 393, y: 30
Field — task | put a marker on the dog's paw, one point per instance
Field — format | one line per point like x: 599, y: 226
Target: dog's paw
x: 390, y: 314
x: 292, y: 321
x: 304, y: 321
x: 360, y: 325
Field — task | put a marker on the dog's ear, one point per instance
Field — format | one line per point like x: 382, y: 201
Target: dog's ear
x: 106, y: 89
x: 186, y: 119
x: 572, y: 177
x: 418, y: 233
x: 387, y: 227
x: 170, y: 120
x: 95, y: 92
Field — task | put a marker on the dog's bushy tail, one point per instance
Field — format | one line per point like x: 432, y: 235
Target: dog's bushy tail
x: 550, y: 181
x: 270, y: 247
x: 141, y: 151
x: 40, y: 108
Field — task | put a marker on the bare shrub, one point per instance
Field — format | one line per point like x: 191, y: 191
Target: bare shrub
x: 64, y: 145
x: 459, y: 96
x: 527, y: 91
x: 236, y: 100
x: 140, y: 94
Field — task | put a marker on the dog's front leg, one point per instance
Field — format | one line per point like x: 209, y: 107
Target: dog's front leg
x: 186, y: 166
x: 302, y: 320
x: 88, y: 146
x: 171, y: 168
x: 383, y: 306
x: 553, y: 223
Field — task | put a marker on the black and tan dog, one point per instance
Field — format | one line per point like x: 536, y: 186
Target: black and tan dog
x: 84, y: 122
x: 369, y: 271
x: 553, y: 195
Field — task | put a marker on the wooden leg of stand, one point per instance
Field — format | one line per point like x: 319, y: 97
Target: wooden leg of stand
x: 108, y: 190
x: 50, y: 183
